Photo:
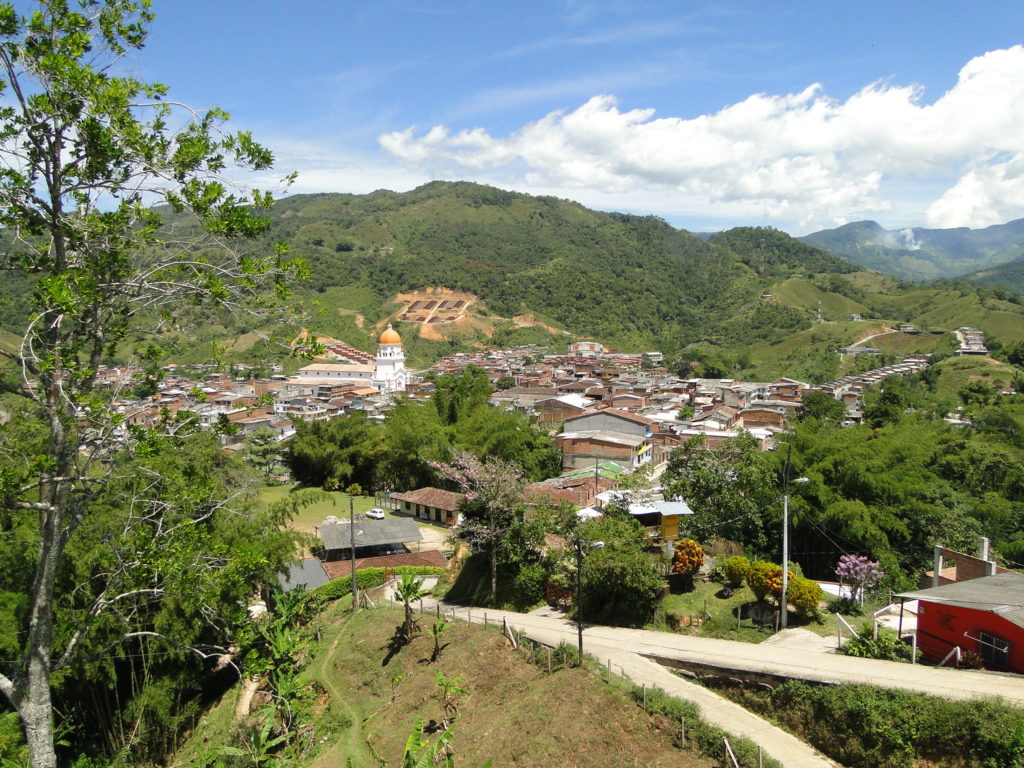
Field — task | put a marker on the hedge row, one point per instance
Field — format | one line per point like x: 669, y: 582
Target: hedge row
x: 866, y: 727
x: 366, y: 578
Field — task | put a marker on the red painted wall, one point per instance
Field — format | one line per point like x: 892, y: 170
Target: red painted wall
x: 940, y: 627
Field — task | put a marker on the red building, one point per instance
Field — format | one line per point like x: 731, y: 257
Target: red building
x: 985, y: 616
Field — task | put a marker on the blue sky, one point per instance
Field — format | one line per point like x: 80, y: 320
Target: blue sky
x: 797, y: 115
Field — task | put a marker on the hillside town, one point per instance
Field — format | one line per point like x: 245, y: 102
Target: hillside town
x: 604, y: 406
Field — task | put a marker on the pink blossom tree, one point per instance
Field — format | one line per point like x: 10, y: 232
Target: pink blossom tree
x: 493, y: 505
x: 859, y: 573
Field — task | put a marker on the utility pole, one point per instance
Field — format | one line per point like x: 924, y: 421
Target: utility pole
x: 783, y: 598
x: 579, y: 595
x: 783, y: 604
x: 352, y: 546
x: 579, y: 589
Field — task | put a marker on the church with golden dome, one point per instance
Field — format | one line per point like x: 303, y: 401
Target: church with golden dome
x: 390, y: 374
x: 387, y: 371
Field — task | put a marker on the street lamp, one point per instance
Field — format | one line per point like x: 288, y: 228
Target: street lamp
x: 579, y: 589
x: 784, y: 605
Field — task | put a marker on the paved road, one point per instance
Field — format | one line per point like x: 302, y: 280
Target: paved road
x: 551, y: 630
x: 633, y: 653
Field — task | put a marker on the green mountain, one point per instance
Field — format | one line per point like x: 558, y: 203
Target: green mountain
x: 1009, y: 276
x: 922, y: 254
x: 543, y: 270
x: 632, y: 281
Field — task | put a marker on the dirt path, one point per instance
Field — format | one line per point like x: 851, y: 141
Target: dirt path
x: 875, y: 335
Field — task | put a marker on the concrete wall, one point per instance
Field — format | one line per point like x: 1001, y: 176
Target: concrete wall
x: 940, y: 627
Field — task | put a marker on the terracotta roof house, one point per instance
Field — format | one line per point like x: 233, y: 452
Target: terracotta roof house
x: 433, y: 504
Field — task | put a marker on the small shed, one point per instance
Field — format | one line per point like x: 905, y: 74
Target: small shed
x: 983, y: 615
x: 660, y: 518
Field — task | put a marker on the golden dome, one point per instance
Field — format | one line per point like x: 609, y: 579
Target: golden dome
x: 390, y: 336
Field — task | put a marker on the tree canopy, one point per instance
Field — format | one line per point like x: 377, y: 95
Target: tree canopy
x: 87, y: 155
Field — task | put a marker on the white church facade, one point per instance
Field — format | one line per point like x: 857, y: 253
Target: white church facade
x: 387, y: 373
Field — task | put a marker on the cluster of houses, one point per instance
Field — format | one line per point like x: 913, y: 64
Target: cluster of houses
x: 972, y: 341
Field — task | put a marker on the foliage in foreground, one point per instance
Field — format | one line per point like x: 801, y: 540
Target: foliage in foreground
x: 866, y: 727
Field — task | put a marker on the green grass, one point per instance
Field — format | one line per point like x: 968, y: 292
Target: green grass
x: 958, y: 371
x: 798, y: 292
x: 907, y: 343
x: 336, y: 503
x: 722, y: 623
x: 807, y: 352
x: 870, y: 281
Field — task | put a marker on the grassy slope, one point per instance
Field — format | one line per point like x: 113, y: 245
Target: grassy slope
x: 906, y: 343
x: 515, y: 714
x: 958, y: 371
x: 798, y: 292
x: 796, y: 353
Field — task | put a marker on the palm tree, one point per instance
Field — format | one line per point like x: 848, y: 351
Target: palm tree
x: 408, y: 590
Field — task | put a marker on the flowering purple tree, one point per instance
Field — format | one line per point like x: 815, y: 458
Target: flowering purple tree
x: 493, y: 504
x: 860, y: 573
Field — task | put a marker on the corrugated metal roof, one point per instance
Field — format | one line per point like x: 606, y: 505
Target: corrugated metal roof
x: 308, y: 573
x: 1002, y: 594
x: 369, y: 532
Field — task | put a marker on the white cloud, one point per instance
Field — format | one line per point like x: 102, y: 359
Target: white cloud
x: 800, y: 157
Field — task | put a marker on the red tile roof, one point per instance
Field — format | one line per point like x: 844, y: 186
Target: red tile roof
x: 337, y: 569
x: 432, y: 497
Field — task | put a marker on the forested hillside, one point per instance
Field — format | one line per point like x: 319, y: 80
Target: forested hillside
x: 633, y: 282
x: 629, y: 280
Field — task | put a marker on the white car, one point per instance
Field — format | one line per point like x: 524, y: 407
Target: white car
x: 376, y: 513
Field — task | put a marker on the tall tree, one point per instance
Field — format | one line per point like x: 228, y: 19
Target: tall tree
x: 85, y: 155
x: 729, y: 488
x: 493, y: 503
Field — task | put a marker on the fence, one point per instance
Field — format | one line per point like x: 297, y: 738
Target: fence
x: 692, y: 733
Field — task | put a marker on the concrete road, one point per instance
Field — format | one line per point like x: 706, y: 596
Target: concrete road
x: 625, y: 660
x: 634, y: 653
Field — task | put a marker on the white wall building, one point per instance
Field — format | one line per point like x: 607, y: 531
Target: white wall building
x: 387, y: 373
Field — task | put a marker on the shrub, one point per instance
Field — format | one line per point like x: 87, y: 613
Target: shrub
x: 880, y: 728
x: 529, y: 584
x: 846, y: 605
x: 804, y: 595
x: 886, y: 646
x: 736, y: 569
x: 688, y: 557
x: 760, y: 577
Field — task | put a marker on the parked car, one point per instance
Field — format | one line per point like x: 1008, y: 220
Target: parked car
x: 376, y: 513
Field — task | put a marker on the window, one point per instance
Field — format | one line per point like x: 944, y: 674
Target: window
x: 994, y: 650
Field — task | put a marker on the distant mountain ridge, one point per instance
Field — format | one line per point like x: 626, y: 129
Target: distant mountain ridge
x: 918, y: 253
